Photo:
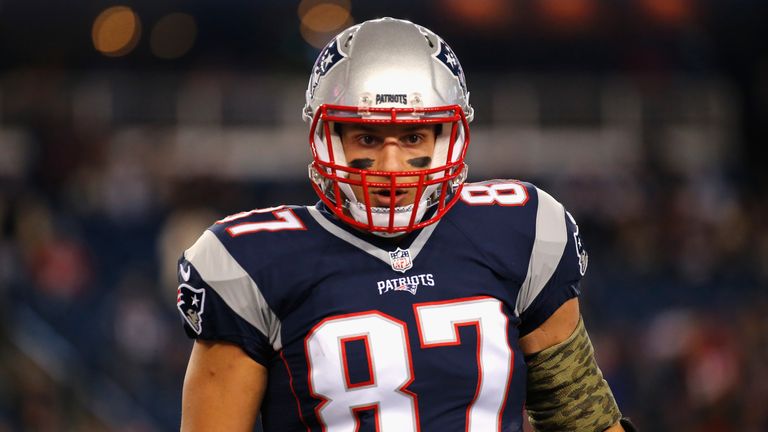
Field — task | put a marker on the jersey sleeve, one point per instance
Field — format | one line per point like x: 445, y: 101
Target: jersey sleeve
x: 557, y: 263
x: 219, y: 301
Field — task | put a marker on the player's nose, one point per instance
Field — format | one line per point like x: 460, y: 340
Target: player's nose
x: 390, y: 157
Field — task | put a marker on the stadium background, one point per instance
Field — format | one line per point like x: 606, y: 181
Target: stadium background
x: 125, y: 131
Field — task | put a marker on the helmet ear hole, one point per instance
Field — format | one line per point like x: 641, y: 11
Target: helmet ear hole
x: 429, y: 42
x: 349, y: 40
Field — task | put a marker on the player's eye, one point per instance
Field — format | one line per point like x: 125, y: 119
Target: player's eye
x: 366, y: 140
x: 414, y: 139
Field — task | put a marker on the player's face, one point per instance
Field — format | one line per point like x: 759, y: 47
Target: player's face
x: 390, y: 147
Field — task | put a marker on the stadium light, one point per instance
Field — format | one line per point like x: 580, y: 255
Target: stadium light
x: 116, y: 31
x: 173, y: 35
x: 321, y: 20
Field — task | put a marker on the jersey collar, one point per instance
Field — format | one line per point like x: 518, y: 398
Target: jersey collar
x: 368, y: 243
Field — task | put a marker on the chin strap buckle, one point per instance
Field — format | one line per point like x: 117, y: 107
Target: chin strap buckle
x: 459, y: 179
x: 317, y: 178
x: 417, y: 103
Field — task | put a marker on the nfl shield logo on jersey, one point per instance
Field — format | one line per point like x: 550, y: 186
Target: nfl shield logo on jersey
x: 401, y: 260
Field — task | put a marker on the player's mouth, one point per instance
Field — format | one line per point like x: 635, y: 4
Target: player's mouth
x: 384, y: 197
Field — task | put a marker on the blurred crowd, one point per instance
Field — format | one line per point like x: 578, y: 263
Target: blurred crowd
x: 90, y: 231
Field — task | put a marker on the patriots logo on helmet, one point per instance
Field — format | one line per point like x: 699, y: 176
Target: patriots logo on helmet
x: 327, y: 59
x: 190, y: 301
x: 449, y: 59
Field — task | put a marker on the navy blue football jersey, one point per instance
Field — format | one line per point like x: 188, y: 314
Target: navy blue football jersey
x: 363, y: 333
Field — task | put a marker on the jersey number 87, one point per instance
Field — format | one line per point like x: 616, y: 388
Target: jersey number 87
x: 390, y: 364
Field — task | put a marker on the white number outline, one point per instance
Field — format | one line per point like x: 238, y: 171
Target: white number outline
x: 486, y: 370
x: 285, y: 219
x: 456, y: 340
x: 495, y: 193
x: 402, y: 388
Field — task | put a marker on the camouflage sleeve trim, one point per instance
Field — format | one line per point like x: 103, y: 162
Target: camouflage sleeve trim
x: 566, y: 389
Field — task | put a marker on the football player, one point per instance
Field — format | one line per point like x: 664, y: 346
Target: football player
x: 405, y: 299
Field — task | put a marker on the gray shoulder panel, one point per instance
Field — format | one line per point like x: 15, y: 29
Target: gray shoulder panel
x: 548, y: 246
x: 233, y: 284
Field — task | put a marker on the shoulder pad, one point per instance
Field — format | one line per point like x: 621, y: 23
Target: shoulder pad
x: 208, y: 265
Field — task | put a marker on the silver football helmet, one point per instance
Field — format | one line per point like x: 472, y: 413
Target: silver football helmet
x: 396, y: 72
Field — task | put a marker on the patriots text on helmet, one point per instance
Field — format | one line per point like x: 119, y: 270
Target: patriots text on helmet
x: 391, y: 98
